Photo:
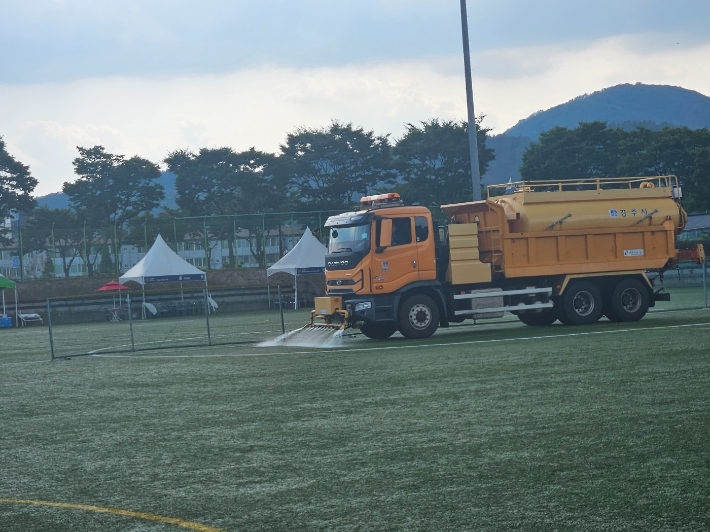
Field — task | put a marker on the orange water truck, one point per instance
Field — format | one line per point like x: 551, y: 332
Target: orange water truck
x: 572, y: 250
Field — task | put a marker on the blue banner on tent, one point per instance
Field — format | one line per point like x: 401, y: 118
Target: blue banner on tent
x: 175, y: 278
x: 316, y: 269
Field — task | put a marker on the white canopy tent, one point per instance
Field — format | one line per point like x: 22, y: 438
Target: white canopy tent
x: 162, y: 265
x: 306, y: 257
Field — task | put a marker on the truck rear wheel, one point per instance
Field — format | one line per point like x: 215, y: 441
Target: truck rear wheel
x: 629, y: 301
x: 379, y: 331
x: 582, y: 303
x: 538, y: 319
x: 418, y: 317
x: 559, y: 310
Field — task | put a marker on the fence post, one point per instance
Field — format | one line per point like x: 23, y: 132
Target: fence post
x: 206, y: 244
x: 115, y: 247
x: 54, y: 255
x: 705, y: 286
x: 49, y: 325
x: 263, y: 238
x: 281, y: 310
x: 19, y: 241
x: 234, y: 242
x: 207, y: 317
x: 85, y: 258
x: 130, y: 321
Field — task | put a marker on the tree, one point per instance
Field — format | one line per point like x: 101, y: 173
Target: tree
x: 434, y: 161
x: 106, y: 266
x: 678, y: 151
x: 589, y: 150
x: 206, y: 185
x: 595, y: 150
x: 98, y: 241
x: 58, y: 233
x: 16, y: 186
x: 111, y: 190
x: 144, y: 228
x: 330, y: 167
x: 221, y: 184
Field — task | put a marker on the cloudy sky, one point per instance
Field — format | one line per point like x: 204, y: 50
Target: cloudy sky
x: 145, y: 77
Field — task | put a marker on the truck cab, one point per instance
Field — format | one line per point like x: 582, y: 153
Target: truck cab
x: 377, y: 255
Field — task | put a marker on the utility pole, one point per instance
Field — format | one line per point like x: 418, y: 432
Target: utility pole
x: 472, y: 142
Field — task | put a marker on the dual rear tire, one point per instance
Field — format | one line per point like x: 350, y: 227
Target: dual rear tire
x: 628, y: 301
x: 583, y: 303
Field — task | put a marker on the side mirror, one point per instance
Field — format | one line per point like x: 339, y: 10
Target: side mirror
x: 385, y: 235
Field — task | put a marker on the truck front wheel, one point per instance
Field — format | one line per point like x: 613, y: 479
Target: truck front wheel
x: 582, y: 303
x: 418, y: 317
x: 379, y: 331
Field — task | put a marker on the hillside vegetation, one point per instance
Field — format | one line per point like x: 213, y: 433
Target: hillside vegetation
x: 622, y: 103
x: 625, y: 106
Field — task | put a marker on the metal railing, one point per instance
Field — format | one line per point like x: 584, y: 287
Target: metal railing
x: 606, y: 183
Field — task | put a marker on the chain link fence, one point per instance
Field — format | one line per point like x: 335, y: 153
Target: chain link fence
x: 73, y: 248
x: 100, y: 324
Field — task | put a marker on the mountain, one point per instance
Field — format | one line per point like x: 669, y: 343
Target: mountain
x: 56, y: 200
x: 509, y: 156
x: 625, y: 106
x: 59, y: 200
x: 622, y: 103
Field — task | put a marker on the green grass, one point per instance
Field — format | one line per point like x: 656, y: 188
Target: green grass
x: 490, y: 427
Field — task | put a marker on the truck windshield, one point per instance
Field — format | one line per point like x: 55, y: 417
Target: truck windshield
x: 349, y: 239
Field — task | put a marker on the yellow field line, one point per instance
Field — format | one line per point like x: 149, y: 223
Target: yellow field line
x: 151, y: 517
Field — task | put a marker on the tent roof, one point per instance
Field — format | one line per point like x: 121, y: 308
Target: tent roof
x: 112, y: 286
x: 307, y: 256
x: 160, y: 265
x: 6, y: 283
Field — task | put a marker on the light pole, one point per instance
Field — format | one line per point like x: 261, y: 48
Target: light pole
x: 472, y: 142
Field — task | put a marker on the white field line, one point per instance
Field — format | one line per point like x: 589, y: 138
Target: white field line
x: 166, y: 340
x: 24, y: 362
x: 98, y: 351
x: 412, y: 346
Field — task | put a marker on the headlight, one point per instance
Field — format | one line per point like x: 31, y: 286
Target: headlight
x: 363, y: 306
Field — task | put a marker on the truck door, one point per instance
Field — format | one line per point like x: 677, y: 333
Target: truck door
x: 426, y: 248
x: 397, y: 265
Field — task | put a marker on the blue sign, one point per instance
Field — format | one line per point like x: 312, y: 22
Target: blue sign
x: 175, y: 278
x: 15, y: 262
x: 316, y: 269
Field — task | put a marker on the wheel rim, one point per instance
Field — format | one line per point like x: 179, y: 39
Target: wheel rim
x: 583, y: 303
x: 420, y: 316
x: 630, y: 300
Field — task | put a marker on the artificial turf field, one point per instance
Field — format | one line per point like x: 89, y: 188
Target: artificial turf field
x: 497, y: 426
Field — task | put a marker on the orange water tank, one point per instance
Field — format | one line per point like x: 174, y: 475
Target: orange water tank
x: 530, y: 209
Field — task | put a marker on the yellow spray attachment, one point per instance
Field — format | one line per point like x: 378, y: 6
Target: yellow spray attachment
x: 329, y: 321
x: 330, y: 311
